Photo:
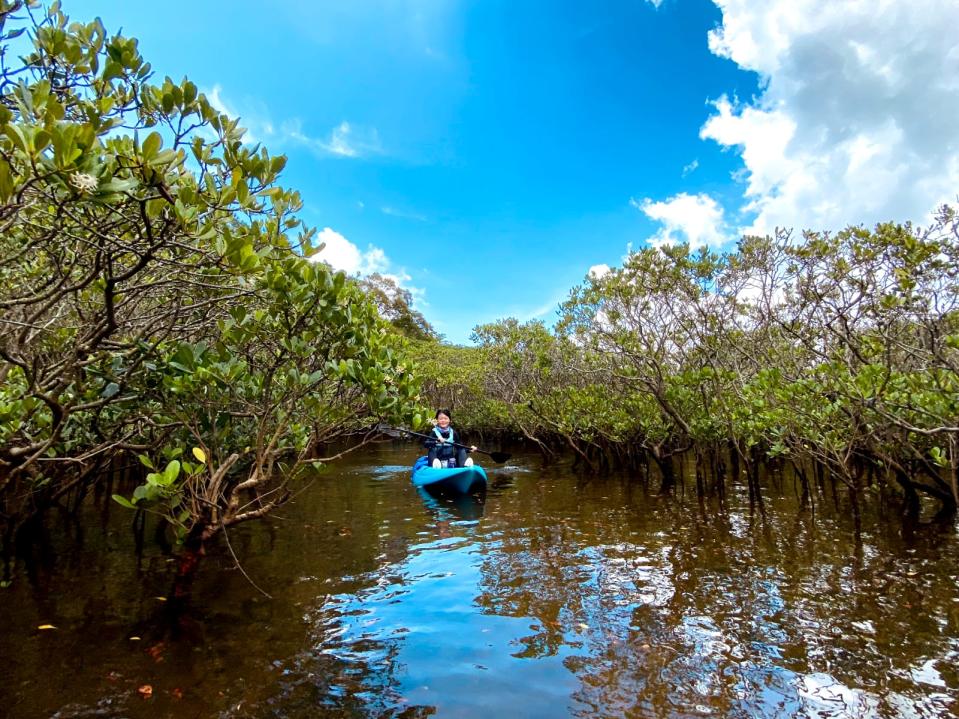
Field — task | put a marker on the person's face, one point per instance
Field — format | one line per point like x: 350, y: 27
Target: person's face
x: 443, y: 421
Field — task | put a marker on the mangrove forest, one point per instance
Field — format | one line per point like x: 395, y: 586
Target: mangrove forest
x: 723, y: 482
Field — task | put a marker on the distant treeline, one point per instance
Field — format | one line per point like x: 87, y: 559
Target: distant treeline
x: 836, y: 353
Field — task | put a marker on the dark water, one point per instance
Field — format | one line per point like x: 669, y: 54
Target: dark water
x: 548, y: 597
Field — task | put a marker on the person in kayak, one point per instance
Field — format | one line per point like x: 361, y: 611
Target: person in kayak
x: 440, y: 445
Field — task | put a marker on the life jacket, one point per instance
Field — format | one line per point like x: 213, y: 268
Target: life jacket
x: 445, y: 449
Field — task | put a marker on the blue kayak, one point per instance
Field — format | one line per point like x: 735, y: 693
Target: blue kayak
x: 457, y: 479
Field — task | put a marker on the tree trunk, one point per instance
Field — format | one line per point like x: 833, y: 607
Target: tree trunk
x: 194, y: 549
x: 667, y: 471
x: 911, y: 504
x: 700, y: 474
x: 804, y: 483
x: 719, y: 475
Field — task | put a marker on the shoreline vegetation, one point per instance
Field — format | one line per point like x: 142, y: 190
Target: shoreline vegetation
x: 158, y: 306
x: 836, y: 354
x: 160, y: 318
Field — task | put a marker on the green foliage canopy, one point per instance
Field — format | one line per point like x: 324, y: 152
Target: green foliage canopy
x: 156, y: 293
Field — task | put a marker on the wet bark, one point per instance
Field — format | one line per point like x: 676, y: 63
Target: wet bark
x: 719, y: 475
x: 668, y: 473
x: 700, y: 474
x: 188, y: 563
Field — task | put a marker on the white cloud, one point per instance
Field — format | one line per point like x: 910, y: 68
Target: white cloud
x: 403, y: 214
x: 598, y: 271
x: 550, y: 307
x: 544, y: 309
x: 696, y: 219
x: 402, y: 279
x: 340, y: 141
x: 344, y: 140
x: 215, y: 98
x: 341, y: 254
x: 855, y: 122
x: 691, y: 167
x: 259, y: 127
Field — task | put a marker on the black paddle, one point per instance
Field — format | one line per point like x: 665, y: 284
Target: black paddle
x: 498, y: 457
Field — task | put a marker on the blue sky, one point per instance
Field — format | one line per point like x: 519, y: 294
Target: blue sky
x: 488, y: 154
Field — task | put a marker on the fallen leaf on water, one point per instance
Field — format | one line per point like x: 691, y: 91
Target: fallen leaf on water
x: 46, y: 626
x: 156, y: 651
x: 145, y: 691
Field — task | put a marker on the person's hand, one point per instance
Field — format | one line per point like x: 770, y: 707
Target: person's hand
x: 473, y: 448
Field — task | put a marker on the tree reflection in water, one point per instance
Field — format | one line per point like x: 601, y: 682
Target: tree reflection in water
x: 545, y: 597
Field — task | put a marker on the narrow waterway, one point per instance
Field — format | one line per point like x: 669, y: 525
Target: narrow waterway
x: 548, y: 596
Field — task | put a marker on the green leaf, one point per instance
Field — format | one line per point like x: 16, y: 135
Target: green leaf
x: 6, y: 181
x: 111, y: 390
x: 172, y: 471
x: 112, y: 70
x: 151, y: 146
x: 123, y: 502
x: 117, y: 185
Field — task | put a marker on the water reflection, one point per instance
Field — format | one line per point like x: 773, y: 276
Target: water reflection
x: 453, y: 507
x: 541, y: 597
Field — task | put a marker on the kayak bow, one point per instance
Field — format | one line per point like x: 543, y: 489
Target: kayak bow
x: 458, y: 479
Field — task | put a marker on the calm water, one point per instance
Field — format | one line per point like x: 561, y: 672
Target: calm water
x: 547, y: 597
